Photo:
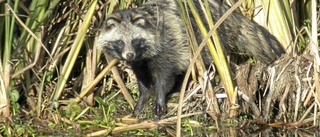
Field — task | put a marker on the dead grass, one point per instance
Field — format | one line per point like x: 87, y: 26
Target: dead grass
x: 54, y: 81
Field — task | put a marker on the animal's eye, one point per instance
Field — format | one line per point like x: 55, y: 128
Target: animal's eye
x: 140, y: 21
x: 117, y: 45
x: 119, y: 42
x: 138, y: 43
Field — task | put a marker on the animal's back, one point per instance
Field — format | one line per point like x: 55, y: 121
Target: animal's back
x: 242, y: 37
x: 239, y: 35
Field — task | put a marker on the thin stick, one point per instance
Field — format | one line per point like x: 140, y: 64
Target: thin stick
x: 104, y: 72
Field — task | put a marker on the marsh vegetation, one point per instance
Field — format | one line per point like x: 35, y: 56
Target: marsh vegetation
x: 54, y: 81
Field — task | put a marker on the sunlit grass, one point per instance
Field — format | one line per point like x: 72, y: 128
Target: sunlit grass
x: 49, y: 61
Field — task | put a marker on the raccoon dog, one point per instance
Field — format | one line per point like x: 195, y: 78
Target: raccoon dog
x: 152, y: 39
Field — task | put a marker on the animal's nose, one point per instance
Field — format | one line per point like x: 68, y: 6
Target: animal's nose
x: 130, y: 56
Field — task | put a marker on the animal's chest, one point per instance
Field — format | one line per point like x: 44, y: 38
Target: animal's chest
x: 147, y: 70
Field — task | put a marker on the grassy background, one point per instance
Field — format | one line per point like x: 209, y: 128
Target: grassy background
x: 48, y: 58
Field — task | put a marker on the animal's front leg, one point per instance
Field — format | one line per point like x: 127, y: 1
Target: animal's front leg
x: 164, y: 84
x: 144, y: 96
x: 145, y: 84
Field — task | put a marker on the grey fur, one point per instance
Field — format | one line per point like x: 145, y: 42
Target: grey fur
x: 153, y: 40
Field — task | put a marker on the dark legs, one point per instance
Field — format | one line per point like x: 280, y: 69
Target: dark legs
x: 159, y: 79
x: 164, y: 84
x: 143, y: 98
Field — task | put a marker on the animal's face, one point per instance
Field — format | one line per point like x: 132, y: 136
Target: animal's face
x: 129, y: 36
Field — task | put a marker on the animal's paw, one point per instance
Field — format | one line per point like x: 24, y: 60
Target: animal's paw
x: 160, y: 109
x: 137, y: 110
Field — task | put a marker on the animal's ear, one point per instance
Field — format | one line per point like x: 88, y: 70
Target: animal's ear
x: 111, y: 22
x: 138, y: 20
